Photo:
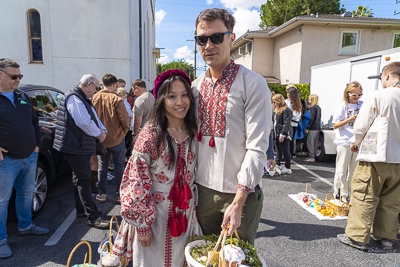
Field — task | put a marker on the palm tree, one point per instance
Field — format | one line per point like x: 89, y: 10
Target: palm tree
x: 363, y: 11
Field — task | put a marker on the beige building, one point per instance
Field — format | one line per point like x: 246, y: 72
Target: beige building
x: 286, y: 53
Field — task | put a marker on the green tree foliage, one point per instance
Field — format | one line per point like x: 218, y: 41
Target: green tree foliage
x: 363, y: 11
x: 281, y: 89
x: 182, y: 65
x: 274, y: 12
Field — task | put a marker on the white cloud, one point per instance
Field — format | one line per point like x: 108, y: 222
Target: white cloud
x: 246, y: 20
x: 183, y: 52
x: 209, y: 2
x: 236, y: 4
x: 160, y: 14
x: 190, y: 61
x: 164, y: 59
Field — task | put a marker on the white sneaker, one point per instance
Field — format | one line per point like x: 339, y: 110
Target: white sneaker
x: 286, y: 171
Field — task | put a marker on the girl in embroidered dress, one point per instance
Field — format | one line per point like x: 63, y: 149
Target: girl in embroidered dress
x: 157, y: 190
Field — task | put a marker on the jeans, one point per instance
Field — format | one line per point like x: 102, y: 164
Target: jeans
x: 118, y: 155
x: 21, y: 174
x: 283, y: 148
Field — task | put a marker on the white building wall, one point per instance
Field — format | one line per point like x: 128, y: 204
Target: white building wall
x: 78, y: 37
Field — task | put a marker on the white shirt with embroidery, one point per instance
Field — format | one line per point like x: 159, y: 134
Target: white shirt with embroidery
x: 236, y: 112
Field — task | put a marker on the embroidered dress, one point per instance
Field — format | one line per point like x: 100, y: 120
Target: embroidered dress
x: 157, y: 199
x: 235, y: 115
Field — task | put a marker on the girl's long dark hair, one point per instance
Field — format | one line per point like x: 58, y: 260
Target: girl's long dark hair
x: 159, y: 120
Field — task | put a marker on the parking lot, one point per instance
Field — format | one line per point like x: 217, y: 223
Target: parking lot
x: 288, y: 235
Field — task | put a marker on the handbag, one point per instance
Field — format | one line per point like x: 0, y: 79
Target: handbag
x: 374, y: 144
x: 100, y: 148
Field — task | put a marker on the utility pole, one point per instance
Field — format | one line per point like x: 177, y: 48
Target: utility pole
x: 195, y: 53
x: 395, y: 13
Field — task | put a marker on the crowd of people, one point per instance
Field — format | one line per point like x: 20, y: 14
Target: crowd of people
x: 196, y: 151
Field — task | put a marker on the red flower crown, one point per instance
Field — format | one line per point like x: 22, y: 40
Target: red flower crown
x: 165, y: 75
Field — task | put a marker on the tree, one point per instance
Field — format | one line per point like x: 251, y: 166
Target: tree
x: 274, y: 12
x: 363, y: 11
x: 182, y: 65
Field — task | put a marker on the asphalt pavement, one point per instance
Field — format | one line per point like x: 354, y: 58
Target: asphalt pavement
x: 288, y: 235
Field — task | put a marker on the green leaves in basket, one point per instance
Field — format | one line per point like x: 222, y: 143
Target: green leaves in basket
x: 250, y: 252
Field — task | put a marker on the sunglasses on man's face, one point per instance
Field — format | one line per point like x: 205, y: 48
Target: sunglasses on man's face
x: 15, y: 76
x: 216, y: 38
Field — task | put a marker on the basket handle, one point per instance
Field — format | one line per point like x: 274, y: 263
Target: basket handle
x: 110, y: 233
x: 216, y: 247
x: 330, y: 194
x: 76, y: 247
x: 222, y: 255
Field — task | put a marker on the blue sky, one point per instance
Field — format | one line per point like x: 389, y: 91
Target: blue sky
x: 176, y: 22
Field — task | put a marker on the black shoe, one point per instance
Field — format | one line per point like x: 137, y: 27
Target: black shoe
x: 358, y: 245
x: 99, y: 223
x: 80, y: 215
x: 34, y: 230
x: 387, y: 244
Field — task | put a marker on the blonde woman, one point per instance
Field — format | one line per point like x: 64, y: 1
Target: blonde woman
x: 313, y: 128
x: 343, y: 121
x: 282, y: 130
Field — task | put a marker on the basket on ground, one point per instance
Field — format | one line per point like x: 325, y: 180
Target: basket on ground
x: 341, y: 210
x: 89, y: 264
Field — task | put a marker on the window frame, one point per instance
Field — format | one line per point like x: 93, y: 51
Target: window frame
x: 241, y: 50
x: 395, y: 32
x: 249, y: 44
x: 357, y: 45
x: 30, y: 38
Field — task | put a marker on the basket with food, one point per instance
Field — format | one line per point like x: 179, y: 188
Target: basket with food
x: 89, y: 264
x: 211, y: 250
x: 339, y: 208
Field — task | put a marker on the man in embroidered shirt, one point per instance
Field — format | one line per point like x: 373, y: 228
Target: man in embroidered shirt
x: 376, y: 185
x: 234, y: 107
x: 19, y: 147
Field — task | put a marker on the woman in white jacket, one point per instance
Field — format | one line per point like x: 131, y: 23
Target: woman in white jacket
x: 294, y: 103
x: 343, y: 122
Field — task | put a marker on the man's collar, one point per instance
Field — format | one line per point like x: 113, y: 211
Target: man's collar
x: 223, y: 71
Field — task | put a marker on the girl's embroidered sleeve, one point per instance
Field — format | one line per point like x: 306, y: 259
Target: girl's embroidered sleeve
x: 137, y: 205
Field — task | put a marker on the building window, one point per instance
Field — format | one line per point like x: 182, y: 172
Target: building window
x: 248, y: 47
x: 35, y: 37
x: 349, y: 42
x: 396, y: 39
x: 241, y: 50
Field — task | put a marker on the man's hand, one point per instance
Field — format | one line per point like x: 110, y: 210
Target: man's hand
x: 145, y: 240
x: 102, y: 136
x: 354, y: 148
x: 233, y: 212
x: 281, y: 139
x: 36, y: 149
x: 1, y: 153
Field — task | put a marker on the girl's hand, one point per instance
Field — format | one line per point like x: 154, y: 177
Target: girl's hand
x: 352, y: 118
x: 145, y: 240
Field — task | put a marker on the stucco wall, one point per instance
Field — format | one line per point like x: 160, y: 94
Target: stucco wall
x: 79, y: 37
x: 263, y: 49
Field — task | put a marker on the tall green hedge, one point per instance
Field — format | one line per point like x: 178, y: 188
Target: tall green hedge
x: 281, y: 89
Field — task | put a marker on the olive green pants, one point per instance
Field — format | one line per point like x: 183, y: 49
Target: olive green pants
x: 212, y: 205
x: 375, y: 198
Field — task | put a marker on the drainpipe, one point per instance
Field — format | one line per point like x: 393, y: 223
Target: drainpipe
x: 140, y: 41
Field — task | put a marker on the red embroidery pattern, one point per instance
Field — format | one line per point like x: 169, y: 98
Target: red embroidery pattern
x: 191, y: 156
x: 244, y: 188
x: 158, y: 197
x: 145, y: 143
x: 161, y: 178
x: 189, y: 177
x: 213, y: 101
x: 165, y: 157
x: 168, y: 242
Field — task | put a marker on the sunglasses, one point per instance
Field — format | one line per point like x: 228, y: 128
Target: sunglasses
x: 98, y: 88
x: 216, y: 38
x: 358, y: 95
x: 15, y: 76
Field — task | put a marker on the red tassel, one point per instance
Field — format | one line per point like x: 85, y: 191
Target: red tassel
x: 187, y: 193
x: 199, y: 136
x: 212, y: 142
x: 174, y: 229
x: 174, y: 193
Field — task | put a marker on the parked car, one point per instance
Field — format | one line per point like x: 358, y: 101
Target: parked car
x: 51, y: 165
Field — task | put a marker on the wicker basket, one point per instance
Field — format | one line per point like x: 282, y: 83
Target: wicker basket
x: 106, y: 245
x: 342, y: 210
x: 89, y: 264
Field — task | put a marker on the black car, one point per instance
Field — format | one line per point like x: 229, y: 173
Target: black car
x: 51, y: 166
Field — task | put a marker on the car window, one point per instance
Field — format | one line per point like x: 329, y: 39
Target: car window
x: 57, y: 96
x: 42, y: 103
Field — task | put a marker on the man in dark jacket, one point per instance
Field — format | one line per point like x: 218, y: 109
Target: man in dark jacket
x: 19, y: 147
x: 77, y: 131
